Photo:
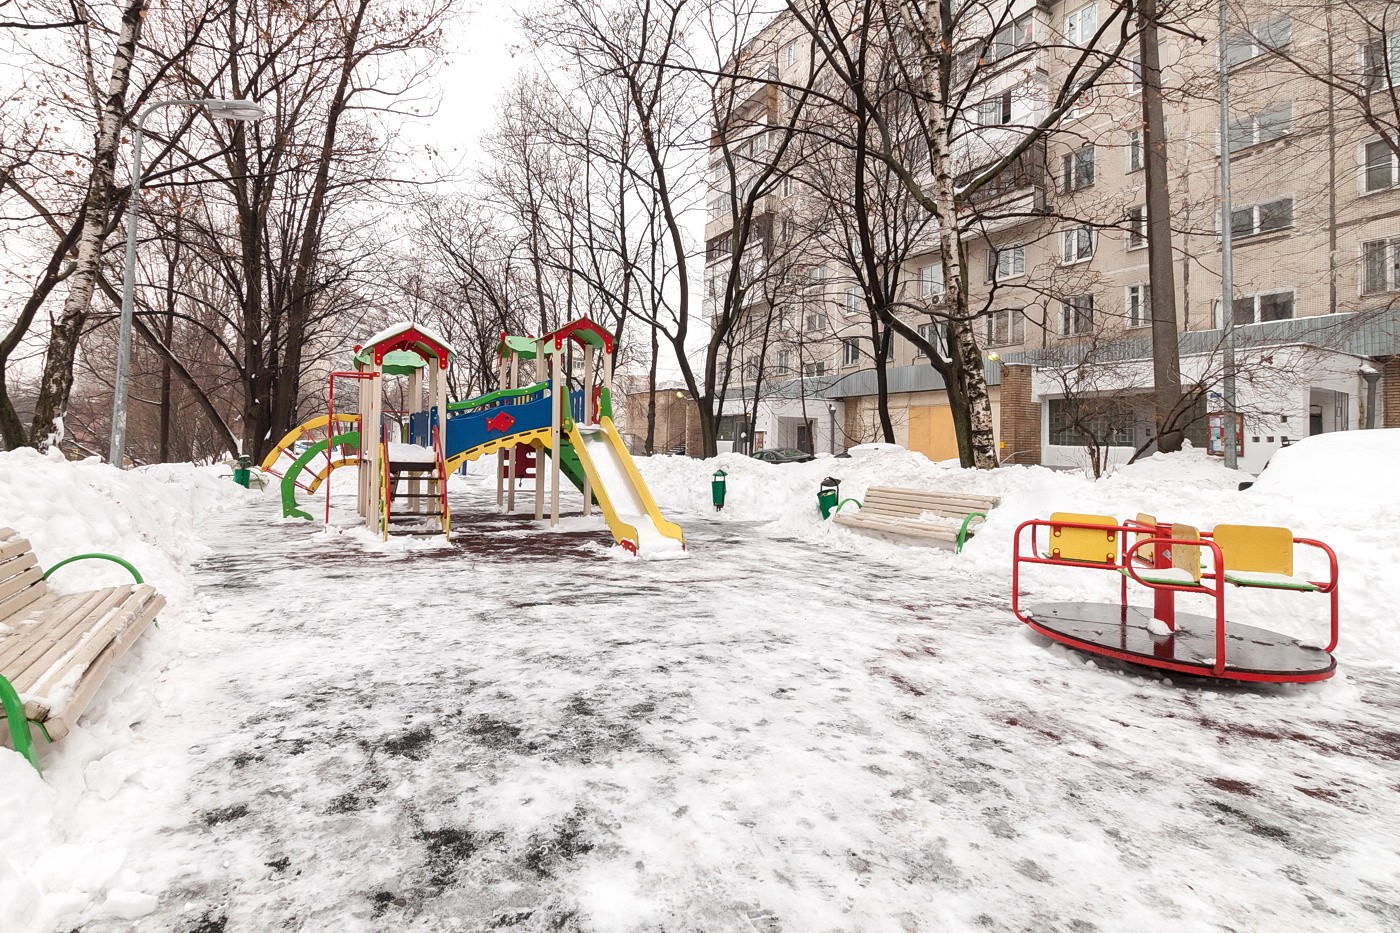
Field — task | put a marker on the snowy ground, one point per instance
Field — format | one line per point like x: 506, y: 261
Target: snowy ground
x: 795, y: 729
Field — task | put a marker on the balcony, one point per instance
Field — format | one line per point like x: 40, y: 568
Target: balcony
x: 1017, y: 191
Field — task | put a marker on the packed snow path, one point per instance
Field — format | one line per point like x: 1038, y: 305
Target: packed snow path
x: 524, y: 732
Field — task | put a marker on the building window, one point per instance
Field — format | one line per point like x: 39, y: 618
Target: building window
x: 1380, y: 61
x: 931, y: 280
x: 1005, y: 328
x: 1381, y: 170
x: 786, y: 186
x: 1135, y: 150
x: 1262, y: 127
x: 1138, y: 306
x: 994, y: 111
x: 1381, y: 266
x: 790, y: 53
x: 816, y: 275
x: 1082, y: 96
x: 1262, y: 218
x: 1135, y: 73
x: 932, y: 333
x: 784, y: 362
x: 1077, y: 244
x: 850, y: 351
x: 1005, y: 263
x: 1137, y: 227
x: 814, y: 369
x: 816, y: 321
x: 1270, y: 306
x: 854, y: 304
x: 1011, y: 38
x: 1082, y: 24
x: 1267, y: 36
x: 1078, y: 168
x: 1077, y: 315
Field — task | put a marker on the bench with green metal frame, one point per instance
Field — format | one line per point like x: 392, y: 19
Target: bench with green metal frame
x: 943, y: 518
x: 57, y: 649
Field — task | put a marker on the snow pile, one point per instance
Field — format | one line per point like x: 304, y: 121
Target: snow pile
x: 1348, y: 468
x: 148, y: 516
x: 1189, y: 487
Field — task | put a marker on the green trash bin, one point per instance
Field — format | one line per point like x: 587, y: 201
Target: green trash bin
x: 717, y: 489
x: 828, y: 494
x: 243, y: 471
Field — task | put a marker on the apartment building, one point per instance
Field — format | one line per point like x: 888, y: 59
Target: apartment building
x: 1057, y: 257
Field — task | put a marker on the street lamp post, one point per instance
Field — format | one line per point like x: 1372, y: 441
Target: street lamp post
x: 1229, y: 426
x: 239, y: 110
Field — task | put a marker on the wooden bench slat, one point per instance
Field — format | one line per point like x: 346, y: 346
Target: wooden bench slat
x: 57, y: 616
x: 15, y: 547
x: 59, y: 722
x: 80, y: 628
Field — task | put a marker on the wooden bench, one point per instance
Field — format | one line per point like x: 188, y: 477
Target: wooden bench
x: 944, y: 518
x: 56, y: 650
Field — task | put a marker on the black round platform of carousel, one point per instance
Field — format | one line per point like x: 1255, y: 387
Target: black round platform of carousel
x: 1251, y: 654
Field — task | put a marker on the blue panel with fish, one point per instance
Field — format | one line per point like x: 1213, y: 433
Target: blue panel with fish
x: 502, y: 418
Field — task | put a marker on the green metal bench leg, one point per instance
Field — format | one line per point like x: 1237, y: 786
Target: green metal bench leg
x: 19, y: 726
x: 963, y: 531
x: 136, y: 574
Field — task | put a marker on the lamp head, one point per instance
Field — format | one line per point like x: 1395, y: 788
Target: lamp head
x: 240, y: 110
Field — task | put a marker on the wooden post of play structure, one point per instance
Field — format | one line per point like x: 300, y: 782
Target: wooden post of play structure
x: 510, y: 455
x: 414, y: 404
x: 371, y: 431
x: 558, y: 401
x: 588, y: 362
x: 500, y: 454
x: 539, y: 453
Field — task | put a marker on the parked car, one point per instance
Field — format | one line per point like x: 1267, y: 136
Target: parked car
x: 782, y: 455
x: 870, y: 450
x: 1348, y: 466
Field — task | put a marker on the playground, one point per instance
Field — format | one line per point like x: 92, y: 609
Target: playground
x: 797, y: 728
x: 385, y: 692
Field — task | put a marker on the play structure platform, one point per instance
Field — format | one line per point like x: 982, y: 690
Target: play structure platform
x: 569, y: 424
x: 1170, y: 559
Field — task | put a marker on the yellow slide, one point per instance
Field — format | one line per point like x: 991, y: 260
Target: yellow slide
x: 631, y: 512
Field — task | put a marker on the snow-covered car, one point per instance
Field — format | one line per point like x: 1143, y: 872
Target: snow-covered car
x: 869, y: 450
x: 782, y: 455
x: 1356, y: 465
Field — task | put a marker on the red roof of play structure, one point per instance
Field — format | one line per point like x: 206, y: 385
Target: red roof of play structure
x: 582, y: 330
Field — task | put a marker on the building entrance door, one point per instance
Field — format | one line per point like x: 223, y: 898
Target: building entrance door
x: 931, y: 432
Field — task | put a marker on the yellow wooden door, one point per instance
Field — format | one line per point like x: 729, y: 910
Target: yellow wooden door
x: 931, y: 432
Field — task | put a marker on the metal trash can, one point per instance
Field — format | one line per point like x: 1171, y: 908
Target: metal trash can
x: 243, y: 471
x: 828, y: 494
x: 717, y: 489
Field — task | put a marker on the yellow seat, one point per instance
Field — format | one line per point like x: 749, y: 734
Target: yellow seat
x: 1186, y: 559
x: 1147, y: 553
x: 1258, y: 555
x: 1087, y: 545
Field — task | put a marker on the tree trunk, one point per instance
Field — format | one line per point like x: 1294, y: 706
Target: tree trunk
x: 1166, y: 352
x: 303, y: 290
x: 978, y: 449
x: 56, y: 382
x: 651, y: 395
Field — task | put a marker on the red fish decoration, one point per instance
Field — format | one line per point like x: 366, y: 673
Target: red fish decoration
x: 500, y: 421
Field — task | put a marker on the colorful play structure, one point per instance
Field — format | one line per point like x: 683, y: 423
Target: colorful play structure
x: 564, y: 414
x: 1167, y: 558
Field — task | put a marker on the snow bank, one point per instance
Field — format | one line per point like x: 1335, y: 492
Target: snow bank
x: 148, y: 516
x: 1188, y: 487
